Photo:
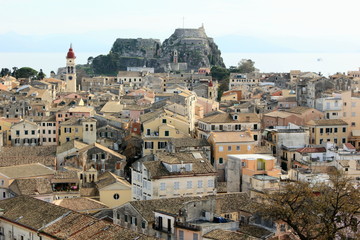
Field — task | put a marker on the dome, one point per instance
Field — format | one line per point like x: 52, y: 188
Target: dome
x: 70, y: 53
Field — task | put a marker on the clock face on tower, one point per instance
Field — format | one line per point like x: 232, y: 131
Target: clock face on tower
x: 70, y: 77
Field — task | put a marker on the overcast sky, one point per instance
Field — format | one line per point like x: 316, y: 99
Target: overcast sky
x: 297, y: 25
x: 237, y: 26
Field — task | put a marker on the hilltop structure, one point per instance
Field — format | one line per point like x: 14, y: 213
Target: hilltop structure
x: 185, y: 49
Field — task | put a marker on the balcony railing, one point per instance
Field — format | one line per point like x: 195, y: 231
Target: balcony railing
x: 188, y: 226
x: 162, y: 229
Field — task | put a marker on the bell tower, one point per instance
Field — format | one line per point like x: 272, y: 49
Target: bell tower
x: 70, y: 76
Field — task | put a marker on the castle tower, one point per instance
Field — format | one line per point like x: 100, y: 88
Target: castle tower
x: 70, y: 76
x: 175, y: 56
x: 212, y: 94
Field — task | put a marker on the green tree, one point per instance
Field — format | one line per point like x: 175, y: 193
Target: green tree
x: 41, y: 75
x: 90, y: 60
x: 14, y: 71
x: 246, y: 66
x: 4, y: 72
x: 219, y: 73
x: 26, y: 72
x: 317, y: 211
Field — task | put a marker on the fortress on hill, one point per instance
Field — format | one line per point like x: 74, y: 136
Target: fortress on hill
x: 185, y: 49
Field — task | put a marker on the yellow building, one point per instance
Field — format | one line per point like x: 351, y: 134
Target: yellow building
x: 161, y: 126
x: 5, y: 129
x: 114, y: 191
x: 328, y: 130
x: 226, y: 143
x: 83, y: 129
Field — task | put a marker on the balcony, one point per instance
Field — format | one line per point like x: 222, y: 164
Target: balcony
x: 188, y: 226
x: 162, y: 229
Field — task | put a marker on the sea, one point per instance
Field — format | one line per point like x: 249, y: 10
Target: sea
x: 324, y: 63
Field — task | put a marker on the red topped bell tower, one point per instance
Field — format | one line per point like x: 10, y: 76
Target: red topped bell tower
x: 70, y: 76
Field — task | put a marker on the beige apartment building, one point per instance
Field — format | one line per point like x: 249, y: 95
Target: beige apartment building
x: 328, y: 130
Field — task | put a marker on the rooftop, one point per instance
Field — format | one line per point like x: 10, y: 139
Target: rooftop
x: 24, y: 171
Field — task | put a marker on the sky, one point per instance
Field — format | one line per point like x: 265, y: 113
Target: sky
x: 253, y: 26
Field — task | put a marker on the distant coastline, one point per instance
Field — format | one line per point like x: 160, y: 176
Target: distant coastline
x: 326, y: 63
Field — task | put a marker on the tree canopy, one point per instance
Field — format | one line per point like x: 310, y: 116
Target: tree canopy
x: 26, y: 72
x: 246, y: 66
x: 319, y: 211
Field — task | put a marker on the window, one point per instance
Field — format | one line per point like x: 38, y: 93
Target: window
x: 353, y: 124
x: 335, y: 130
x: 164, y: 121
x: 282, y: 227
x: 344, y: 140
x: 189, y: 184
x: 116, y: 196
x: 148, y: 132
x: 335, y: 140
x: 321, y: 141
x: 344, y: 129
x: 181, y: 235
x: 255, y: 126
x: 44, y: 132
x: 213, y: 127
x: 44, y: 139
x: 221, y: 127
x: 162, y: 186
x: 68, y: 139
x: 229, y: 148
x: 91, y: 127
x: 221, y: 148
x: 17, y: 132
x: 26, y: 132
x: 260, y: 164
x: 126, y: 218
x: 237, y: 148
x: 167, y: 133
x: 221, y: 160
x: 200, y: 184
x: 143, y: 224
x: 86, y: 127
x: 149, y: 145
x: 176, y: 185
x: 211, y: 183
x: 195, y: 236
x: 321, y: 130
x: 255, y: 137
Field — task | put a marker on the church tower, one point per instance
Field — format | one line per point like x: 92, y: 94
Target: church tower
x: 70, y: 76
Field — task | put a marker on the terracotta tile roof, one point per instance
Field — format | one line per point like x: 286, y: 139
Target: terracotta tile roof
x: 227, y: 137
x: 62, y: 223
x: 220, y: 117
x: 28, y: 211
x: 349, y: 146
x: 109, y: 178
x: 327, y: 122
x: 32, y: 186
x: 281, y: 114
x: 10, y: 156
x: 26, y: 171
x: 298, y: 110
x: 80, y: 204
x: 199, y: 166
x: 219, y: 234
x: 278, y: 93
x: 255, y: 231
x: 311, y: 150
x: 73, y: 144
